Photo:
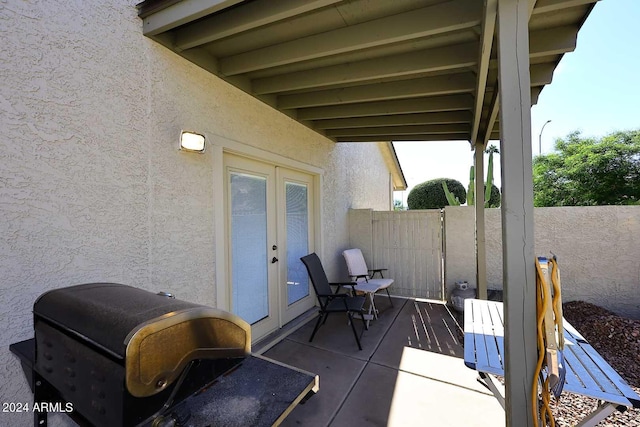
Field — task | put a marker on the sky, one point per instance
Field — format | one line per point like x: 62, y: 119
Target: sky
x: 595, y: 90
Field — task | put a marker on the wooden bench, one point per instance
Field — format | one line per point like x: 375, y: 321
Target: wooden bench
x: 587, y: 373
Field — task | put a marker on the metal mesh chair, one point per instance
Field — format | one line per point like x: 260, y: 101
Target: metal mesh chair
x: 330, y: 301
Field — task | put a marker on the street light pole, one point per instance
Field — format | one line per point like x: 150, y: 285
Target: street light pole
x: 540, y: 137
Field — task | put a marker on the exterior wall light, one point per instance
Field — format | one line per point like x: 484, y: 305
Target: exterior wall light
x: 191, y: 141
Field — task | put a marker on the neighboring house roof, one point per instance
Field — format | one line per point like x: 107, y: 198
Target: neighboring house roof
x: 364, y: 70
x: 399, y: 181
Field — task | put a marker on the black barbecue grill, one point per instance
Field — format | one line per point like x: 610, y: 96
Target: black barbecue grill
x: 122, y: 356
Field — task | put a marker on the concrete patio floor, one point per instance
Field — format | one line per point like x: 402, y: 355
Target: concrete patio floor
x: 410, y: 371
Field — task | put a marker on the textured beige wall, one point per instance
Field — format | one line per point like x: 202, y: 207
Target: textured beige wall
x: 361, y: 231
x: 92, y: 187
x: 597, y: 249
x: 459, y: 251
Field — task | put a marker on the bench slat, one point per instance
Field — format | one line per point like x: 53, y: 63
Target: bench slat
x: 572, y: 333
x: 490, y: 331
x: 496, y: 314
x: 618, y: 382
x: 594, y: 370
x: 469, y: 344
x: 584, y: 379
x: 482, y: 358
x: 572, y: 381
x: 585, y: 384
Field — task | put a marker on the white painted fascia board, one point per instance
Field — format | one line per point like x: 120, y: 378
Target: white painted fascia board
x: 391, y: 159
x: 181, y: 13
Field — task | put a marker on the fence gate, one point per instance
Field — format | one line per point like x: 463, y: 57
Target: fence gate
x: 409, y: 243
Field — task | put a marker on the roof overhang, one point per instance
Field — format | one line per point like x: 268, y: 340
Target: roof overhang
x: 393, y: 164
x: 362, y: 70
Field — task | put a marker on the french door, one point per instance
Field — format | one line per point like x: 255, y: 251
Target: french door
x: 270, y: 223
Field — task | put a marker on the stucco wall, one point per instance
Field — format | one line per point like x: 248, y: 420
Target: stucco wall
x: 459, y: 248
x: 597, y: 249
x: 357, y: 181
x: 92, y: 187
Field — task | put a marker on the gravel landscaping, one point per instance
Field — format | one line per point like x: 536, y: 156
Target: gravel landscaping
x: 617, y: 339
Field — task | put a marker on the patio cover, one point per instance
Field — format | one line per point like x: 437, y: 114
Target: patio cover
x: 364, y: 70
x: 419, y: 70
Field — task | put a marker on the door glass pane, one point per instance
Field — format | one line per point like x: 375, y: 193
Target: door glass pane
x: 297, y: 241
x: 249, y: 246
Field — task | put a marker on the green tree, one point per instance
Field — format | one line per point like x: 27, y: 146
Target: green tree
x: 398, y: 206
x: 430, y: 194
x: 588, y: 171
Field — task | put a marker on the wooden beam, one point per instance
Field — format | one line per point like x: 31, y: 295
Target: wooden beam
x: 437, y: 19
x: 448, y: 117
x: 543, y: 43
x: 535, y: 93
x: 494, y: 109
x: 542, y: 74
x: 405, y: 64
x: 400, y: 130
x: 383, y: 108
x: 484, y: 57
x: 517, y: 211
x: 546, y: 6
x: 417, y: 137
x: 492, y: 130
x: 247, y: 17
x: 181, y: 13
x: 426, y: 86
x: 554, y: 41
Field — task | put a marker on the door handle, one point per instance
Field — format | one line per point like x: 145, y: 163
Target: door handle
x: 274, y: 260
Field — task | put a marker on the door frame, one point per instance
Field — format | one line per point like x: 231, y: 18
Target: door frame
x: 218, y: 149
x: 242, y: 166
x: 284, y: 176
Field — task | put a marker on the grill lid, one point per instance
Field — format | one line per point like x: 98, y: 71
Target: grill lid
x: 155, y: 337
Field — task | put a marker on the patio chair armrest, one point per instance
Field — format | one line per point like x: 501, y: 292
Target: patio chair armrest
x: 360, y: 276
x: 341, y: 284
x: 332, y: 295
x: 373, y: 271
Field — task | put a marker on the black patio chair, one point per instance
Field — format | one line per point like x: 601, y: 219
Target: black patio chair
x: 332, y: 302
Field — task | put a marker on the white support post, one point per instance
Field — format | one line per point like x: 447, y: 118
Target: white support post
x: 517, y: 210
x: 481, y: 253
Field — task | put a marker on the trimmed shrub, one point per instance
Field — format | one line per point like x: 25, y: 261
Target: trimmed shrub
x: 430, y: 195
x: 495, y: 199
